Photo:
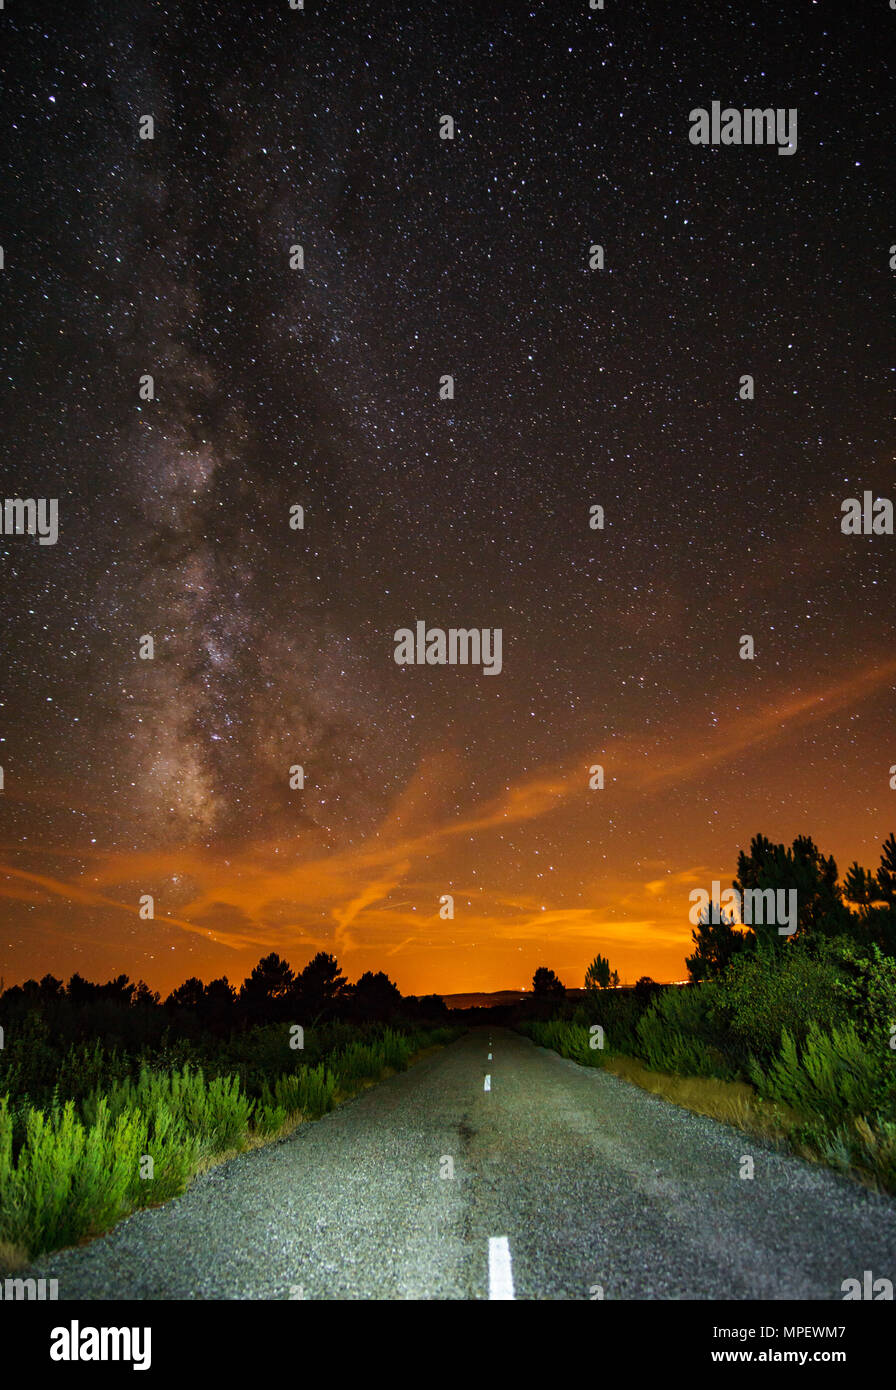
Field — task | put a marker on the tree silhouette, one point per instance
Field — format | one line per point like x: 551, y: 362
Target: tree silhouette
x: 718, y: 941
x: 875, y: 896
x: 187, y: 996
x: 860, y: 886
x: 597, y: 976
x: 375, y: 996
x: 320, y: 985
x: 546, y: 985
x: 269, y: 988
x: 803, y: 868
x: 886, y: 874
x: 212, y: 1004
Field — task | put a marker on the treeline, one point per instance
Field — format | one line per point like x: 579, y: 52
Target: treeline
x: 131, y: 1015
x: 861, y: 909
x: 807, y: 1019
x: 63, y: 1041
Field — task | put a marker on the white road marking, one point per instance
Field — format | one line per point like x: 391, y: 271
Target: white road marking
x: 500, y: 1274
x: 489, y: 1056
x: 488, y: 1083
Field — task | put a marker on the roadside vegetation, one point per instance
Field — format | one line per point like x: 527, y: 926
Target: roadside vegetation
x: 792, y: 1037
x: 111, y: 1100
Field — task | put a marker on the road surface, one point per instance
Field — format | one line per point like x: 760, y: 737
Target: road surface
x: 567, y: 1184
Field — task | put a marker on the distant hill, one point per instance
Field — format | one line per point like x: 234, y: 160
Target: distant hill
x: 500, y: 996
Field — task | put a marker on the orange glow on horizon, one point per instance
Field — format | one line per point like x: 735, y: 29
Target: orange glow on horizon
x: 543, y: 872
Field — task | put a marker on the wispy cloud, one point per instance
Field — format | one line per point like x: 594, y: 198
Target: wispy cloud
x: 383, y: 893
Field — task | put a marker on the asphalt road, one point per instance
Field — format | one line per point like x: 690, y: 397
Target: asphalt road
x: 566, y: 1180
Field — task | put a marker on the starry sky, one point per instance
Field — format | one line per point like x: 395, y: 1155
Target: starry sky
x: 319, y: 387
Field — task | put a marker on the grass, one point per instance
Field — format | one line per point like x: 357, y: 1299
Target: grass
x: 70, y: 1171
x: 732, y: 1102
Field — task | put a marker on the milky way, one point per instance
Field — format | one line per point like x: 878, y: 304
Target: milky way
x: 319, y: 387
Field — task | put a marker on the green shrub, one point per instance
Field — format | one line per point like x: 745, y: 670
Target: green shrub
x: 866, y: 985
x: 833, y: 1076
x: 216, y: 1113
x: 73, y: 1169
x: 678, y: 1033
x: 764, y: 993
x: 571, y: 1040
x: 69, y: 1180
x: 871, y: 1144
x: 359, y: 1061
x: 307, y: 1092
x: 28, y: 1062
x: 618, y: 1012
x: 843, y: 1085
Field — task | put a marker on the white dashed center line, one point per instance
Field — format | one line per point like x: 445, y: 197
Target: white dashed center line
x: 500, y: 1274
x: 488, y: 1084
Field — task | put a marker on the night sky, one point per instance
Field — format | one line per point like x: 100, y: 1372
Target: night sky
x: 574, y: 387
